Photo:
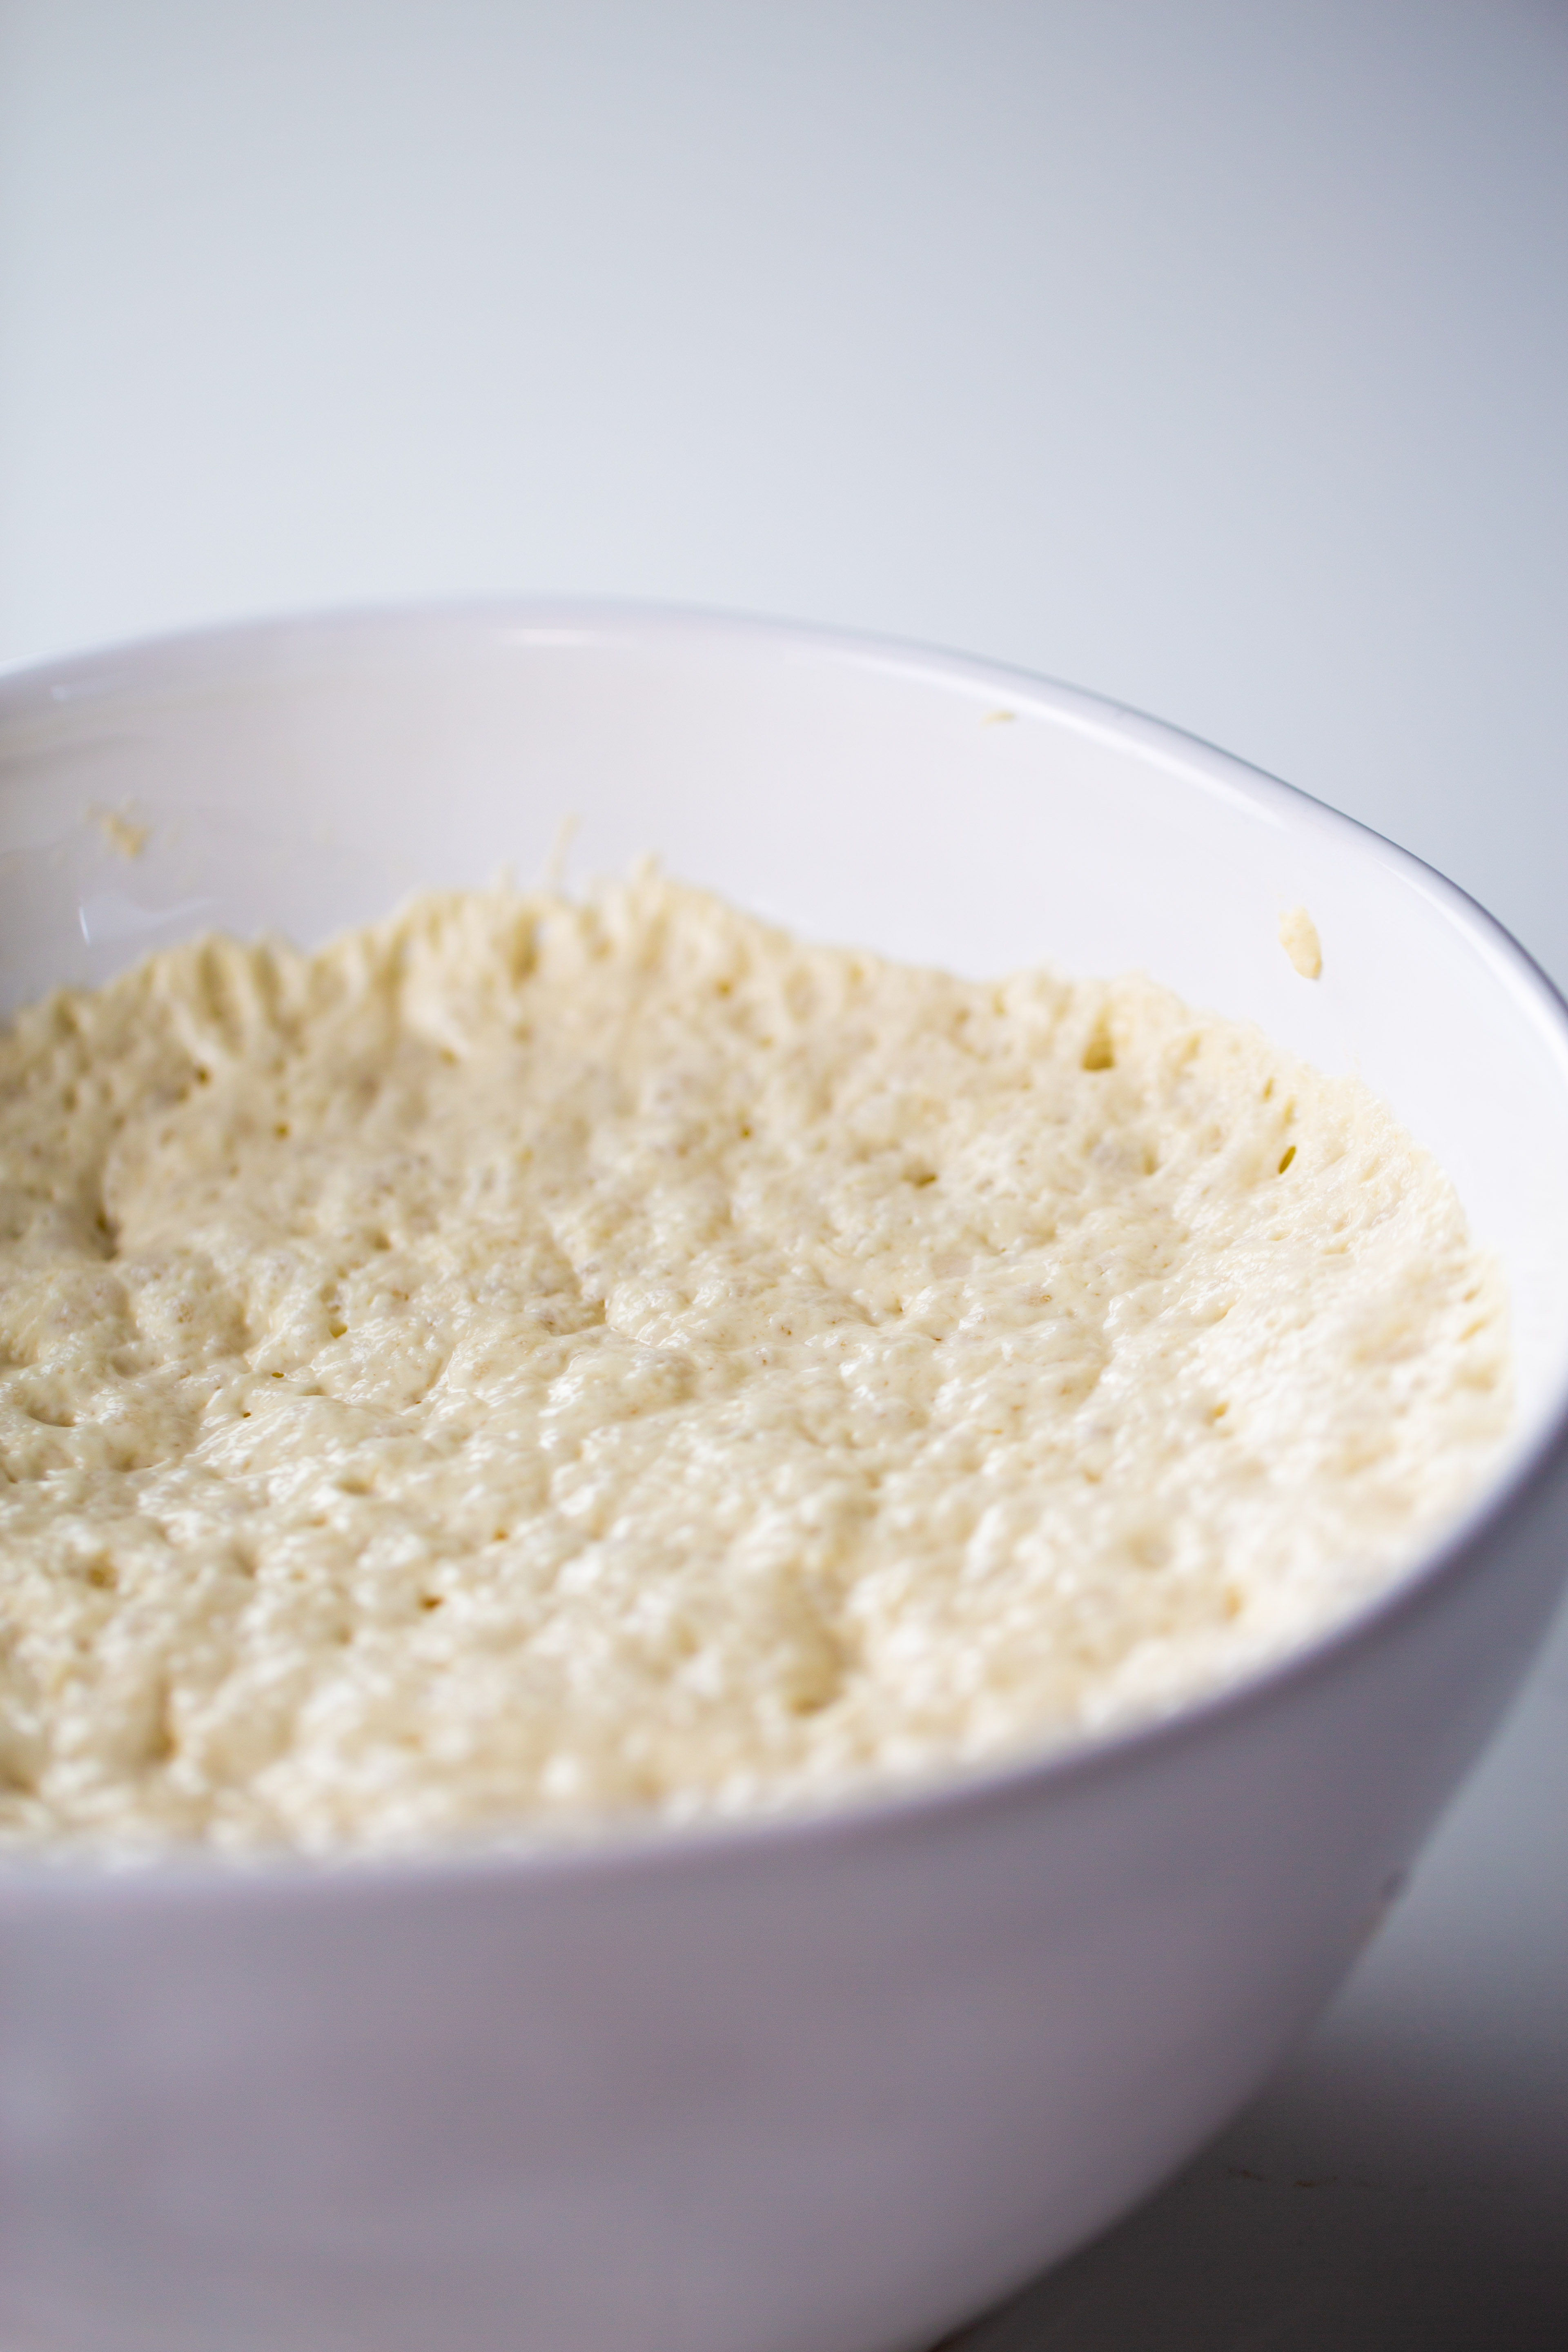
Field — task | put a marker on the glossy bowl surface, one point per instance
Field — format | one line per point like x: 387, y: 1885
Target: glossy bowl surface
x: 829, y: 2084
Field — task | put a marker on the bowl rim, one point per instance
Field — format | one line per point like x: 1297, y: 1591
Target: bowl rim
x: 171, y: 664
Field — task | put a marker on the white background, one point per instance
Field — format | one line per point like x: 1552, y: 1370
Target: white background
x: 1213, y: 353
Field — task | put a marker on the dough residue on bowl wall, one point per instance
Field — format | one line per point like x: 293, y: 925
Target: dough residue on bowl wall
x: 529, y: 1361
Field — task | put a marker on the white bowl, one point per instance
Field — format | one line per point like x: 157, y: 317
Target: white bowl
x: 832, y: 2082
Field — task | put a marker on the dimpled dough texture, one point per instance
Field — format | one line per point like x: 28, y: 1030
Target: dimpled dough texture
x: 532, y: 1362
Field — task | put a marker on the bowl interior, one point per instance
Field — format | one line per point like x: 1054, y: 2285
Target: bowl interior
x: 300, y: 776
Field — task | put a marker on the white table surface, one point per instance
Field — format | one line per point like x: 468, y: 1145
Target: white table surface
x: 1215, y: 356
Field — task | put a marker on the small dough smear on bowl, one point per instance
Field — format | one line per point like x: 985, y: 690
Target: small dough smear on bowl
x: 534, y: 1364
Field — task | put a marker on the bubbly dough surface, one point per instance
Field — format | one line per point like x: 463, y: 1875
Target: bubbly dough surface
x: 530, y: 1361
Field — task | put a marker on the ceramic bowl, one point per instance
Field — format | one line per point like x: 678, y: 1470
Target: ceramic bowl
x: 826, y: 2084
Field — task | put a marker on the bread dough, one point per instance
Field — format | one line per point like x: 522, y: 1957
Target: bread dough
x: 1299, y: 938
x: 531, y: 1363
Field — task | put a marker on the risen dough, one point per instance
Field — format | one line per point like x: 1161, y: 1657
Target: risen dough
x: 530, y: 1360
